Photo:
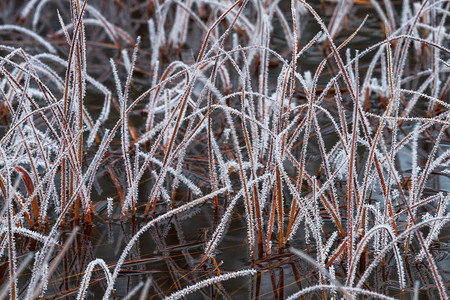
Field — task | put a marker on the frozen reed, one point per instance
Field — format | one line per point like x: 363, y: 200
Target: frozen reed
x: 225, y: 113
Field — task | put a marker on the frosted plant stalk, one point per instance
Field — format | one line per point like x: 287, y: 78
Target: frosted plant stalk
x: 87, y: 276
x: 147, y: 226
x: 207, y: 282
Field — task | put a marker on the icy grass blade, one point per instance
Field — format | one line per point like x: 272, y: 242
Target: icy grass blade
x: 87, y: 276
x: 311, y: 261
x: 207, y: 282
x: 32, y: 34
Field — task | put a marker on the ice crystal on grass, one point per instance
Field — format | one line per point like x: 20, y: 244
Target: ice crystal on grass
x: 87, y: 276
x: 295, y: 135
x: 109, y: 203
x: 210, y: 281
x: 31, y: 33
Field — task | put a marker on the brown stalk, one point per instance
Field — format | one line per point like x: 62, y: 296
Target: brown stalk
x: 329, y: 206
x: 157, y: 89
x: 86, y: 211
x: 30, y: 188
x: 36, y: 107
x: 271, y: 223
x: 378, y: 134
x: 56, y: 261
x: 12, y: 254
x: 246, y: 196
x: 339, y: 251
x: 255, y: 199
x: 25, y: 176
x: 210, y: 152
x: 279, y: 209
x: 434, y: 270
x: 322, y: 197
x: 294, y: 204
x: 357, y: 111
x: 297, y: 130
x: 185, y: 97
x: 69, y: 61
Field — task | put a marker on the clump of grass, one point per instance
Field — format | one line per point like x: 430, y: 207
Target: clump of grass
x: 235, y: 114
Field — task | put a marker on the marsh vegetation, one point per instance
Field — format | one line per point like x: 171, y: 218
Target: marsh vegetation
x: 224, y: 149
